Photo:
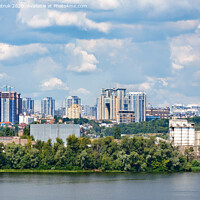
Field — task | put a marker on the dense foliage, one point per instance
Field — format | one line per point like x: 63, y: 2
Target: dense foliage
x: 135, y: 155
x: 154, y: 126
x: 196, y: 121
x: 8, y: 131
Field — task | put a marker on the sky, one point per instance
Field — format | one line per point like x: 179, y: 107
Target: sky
x: 59, y: 48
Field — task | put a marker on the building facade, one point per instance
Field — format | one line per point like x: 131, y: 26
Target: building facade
x: 26, y: 119
x: 182, y: 133
x: 182, y: 111
x: 60, y: 112
x: 44, y: 132
x: 137, y: 103
x: 48, y: 106
x: 71, y: 100
x: 162, y: 113
x: 10, y: 106
x: 28, y: 105
x: 89, y: 111
x: 125, y: 116
x: 74, y: 112
x: 110, y: 103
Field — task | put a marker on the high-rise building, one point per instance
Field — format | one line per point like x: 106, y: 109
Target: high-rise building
x: 28, y: 105
x: 71, y: 100
x: 86, y: 110
x: 93, y: 111
x: 74, y: 112
x: 10, y: 106
x: 137, y: 103
x: 89, y: 112
x: 60, y: 112
x: 110, y: 103
x: 48, y: 106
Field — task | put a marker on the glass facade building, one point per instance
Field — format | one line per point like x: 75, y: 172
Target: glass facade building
x: 48, y: 106
x: 28, y: 105
x: 10, y: 106
x: 137, y: 103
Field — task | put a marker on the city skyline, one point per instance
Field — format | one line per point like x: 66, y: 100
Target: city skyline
x: 149, y: 46
x: 63, y: 104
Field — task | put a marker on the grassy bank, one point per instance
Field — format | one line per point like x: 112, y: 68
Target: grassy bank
x: 55, y: 171
x: 195, y: 169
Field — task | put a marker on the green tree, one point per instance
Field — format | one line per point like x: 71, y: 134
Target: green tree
x: 16, y: 156
x: 2, y: 156
x: 117, y: 133
x: 73, y: 143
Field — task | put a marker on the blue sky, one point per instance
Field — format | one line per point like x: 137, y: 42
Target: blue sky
x: 142, y: 45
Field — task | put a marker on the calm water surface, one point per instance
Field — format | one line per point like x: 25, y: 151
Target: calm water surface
x: 180, y: 186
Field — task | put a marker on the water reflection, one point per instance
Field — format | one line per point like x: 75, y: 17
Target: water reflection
x: 100, y: 186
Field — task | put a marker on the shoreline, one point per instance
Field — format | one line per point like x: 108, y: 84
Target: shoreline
x: 53, y: 171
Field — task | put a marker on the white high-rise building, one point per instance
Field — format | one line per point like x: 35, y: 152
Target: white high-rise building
x: 137, y: 103
x: 48, y: 106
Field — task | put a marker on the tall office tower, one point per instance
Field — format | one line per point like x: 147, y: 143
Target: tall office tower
x: 28, y: 105
x: 48, y: 106
x: 89, y: 111
x: 71, y: 100
x: 137, y: 103
x: 110, y: 103
x: 93, y: 111
x: 86, y: 110
x: 10, y: 106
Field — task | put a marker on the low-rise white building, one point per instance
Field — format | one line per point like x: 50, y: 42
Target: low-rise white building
x: 182, y: 133
x: 26, y: 119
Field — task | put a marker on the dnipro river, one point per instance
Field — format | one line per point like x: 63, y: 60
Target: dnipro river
x: 175, y: 186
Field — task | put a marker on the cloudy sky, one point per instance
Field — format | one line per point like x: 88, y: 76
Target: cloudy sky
x: 76, y: 47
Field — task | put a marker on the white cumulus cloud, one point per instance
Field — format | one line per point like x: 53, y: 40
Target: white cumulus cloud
x: 46, y: 18
x: 80, y: 60
x: 9, y: 51
x: 54, y: 84
x: 83, y: 91
x: 185, y: 51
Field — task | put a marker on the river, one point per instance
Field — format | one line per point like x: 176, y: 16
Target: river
x: 174, y: 186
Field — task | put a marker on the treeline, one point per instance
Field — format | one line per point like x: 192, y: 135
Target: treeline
x: 135, y: 155
x: 195, y: 120
x: 8, y: 131
x: 154, y: 126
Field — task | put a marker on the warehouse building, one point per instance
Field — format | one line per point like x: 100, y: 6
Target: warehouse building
x: 44, y: 132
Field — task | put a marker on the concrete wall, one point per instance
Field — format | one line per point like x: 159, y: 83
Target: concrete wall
x: 44, y: 132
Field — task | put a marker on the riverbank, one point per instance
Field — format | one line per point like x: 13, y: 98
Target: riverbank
x: 195, y: 169
x: 53, y: 171
x: 56, y: 171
